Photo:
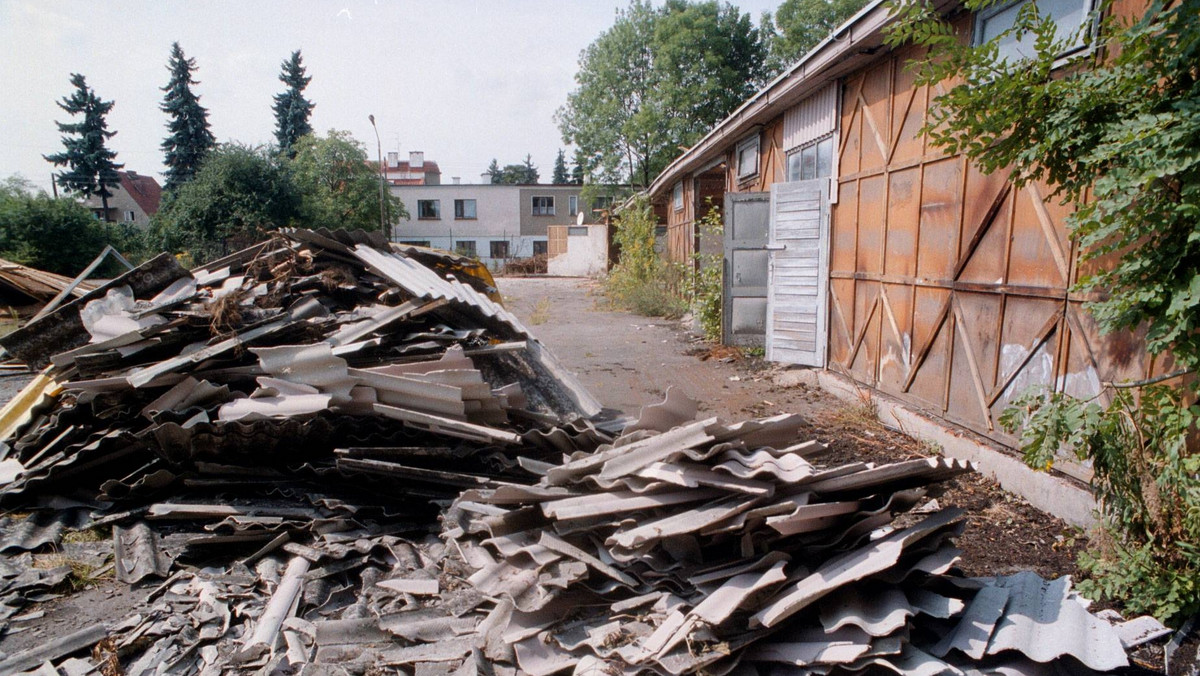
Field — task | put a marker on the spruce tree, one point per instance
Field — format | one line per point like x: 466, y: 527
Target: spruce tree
x: 90, y: 167
x: 190, y: 138
x: 494, y: 172
x: 560, y: 169
x: 291, y: 108
x: 579, y: 168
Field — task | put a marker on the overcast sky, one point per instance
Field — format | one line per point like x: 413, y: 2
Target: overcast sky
x: 464, y: 81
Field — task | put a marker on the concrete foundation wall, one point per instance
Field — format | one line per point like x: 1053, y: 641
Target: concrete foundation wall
x: 1065, y: 498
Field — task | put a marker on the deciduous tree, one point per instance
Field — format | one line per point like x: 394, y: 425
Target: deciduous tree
x: 800, y: 25
x: 239, y: 193
x: 657, y: 80
x: 91, y: 169
x: 57, y: 235
x: 190, y: 138
x: 292, y: 110
x: 339, y: 188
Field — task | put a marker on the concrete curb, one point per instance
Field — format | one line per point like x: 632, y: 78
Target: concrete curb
x: 1049, y: 493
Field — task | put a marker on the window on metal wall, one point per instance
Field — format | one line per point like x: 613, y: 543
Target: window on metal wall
x: 814, y: 160
x: 499, y: 248
x: 464, y: 210
x: 1069, y: 17
x: 429, y: 209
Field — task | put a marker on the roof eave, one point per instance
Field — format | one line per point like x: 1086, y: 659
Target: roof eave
x: 860, y: 36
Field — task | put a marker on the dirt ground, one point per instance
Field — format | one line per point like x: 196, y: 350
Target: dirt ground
x: 628, y: 362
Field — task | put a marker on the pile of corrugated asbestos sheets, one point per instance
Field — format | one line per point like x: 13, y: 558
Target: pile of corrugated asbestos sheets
x: 272, y: 437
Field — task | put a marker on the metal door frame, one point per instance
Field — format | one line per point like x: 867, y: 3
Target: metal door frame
x: 727, y: 288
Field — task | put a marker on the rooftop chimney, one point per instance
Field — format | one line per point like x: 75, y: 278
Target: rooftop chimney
x: 393, y: 159
x: 485, y: 178
x: 455, y: 180
x: 416, y: 159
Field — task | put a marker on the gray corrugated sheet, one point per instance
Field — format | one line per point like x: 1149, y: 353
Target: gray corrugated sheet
x: 1042, y: 621
x: 63, y: 329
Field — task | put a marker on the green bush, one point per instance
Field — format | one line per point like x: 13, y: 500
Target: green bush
x: 1147, y: 481
x: 706, y: 289
x: 642, y: 282
x: 54, y: 234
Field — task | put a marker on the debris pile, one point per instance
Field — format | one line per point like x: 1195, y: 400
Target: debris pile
x: 271, y: 436
x: 21, y: 285
x: 274, y: 358
x: 711, y: 547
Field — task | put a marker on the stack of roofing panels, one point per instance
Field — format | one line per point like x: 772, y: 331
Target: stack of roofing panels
x: 270, y: 438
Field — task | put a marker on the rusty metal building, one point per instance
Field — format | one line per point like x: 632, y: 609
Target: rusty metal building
x: 852, y: 244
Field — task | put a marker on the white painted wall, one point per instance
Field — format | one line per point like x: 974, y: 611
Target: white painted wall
x: 497, y: 218
x: 586, y: 256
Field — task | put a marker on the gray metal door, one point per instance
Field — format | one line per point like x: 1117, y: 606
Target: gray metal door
x: 797, y: 310
x: 747, y: 217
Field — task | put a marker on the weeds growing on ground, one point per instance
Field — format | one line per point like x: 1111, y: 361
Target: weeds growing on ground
x: 541, y: 312
x: 82, y: 575
x: 642, y: 282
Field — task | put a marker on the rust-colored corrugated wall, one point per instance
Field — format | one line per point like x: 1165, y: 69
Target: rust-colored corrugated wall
x: 950, y: 289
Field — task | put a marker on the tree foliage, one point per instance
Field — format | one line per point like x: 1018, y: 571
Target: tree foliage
x: 240, y: 193
x: 1145, y: 479
x: 579, y: 167
x: 657, y: 80
x: 1118, y: 139
x: 559, y: 177
x: 292, y: 110
x: 338, y: 187
x: 524, y: 173
x: 800, y: 25
x: 90, y: 166
x: 58, y: 235
x: 190, y: 138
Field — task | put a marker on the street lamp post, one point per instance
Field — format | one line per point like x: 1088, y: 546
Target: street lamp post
x: 383, y: 222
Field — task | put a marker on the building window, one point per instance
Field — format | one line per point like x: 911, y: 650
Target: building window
x: 814, y: 160
x: 577, y: 231
x: 499, y: 248
x: 1069, y: 16
x: 465, y: 248
x: 573, y: 204
x: 601, y: 202
x: 677, y: 196
x: 540, y: 247
x: 129, y: 217
x: 543, y: 206
x: 464, y: 210
x: 416, y: 242
x: 429, y: 210
x: 747, y: 157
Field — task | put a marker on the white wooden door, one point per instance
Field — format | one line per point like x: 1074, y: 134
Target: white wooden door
x: 798, y: 242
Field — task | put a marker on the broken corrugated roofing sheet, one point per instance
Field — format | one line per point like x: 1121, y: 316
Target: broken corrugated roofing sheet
x: 272, y: 436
